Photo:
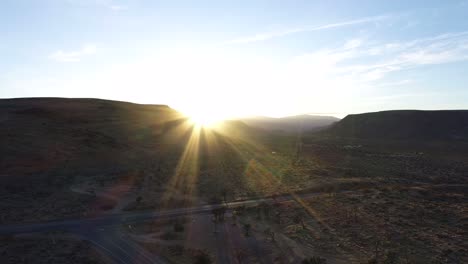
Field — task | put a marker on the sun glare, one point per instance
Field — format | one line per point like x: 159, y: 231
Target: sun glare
x: 205, y: 117
x: 204, y: 120
x: 202, y: 112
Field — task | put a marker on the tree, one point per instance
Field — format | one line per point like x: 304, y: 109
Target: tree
x: 278, y: 217
x: 266, y: 209
x: 259, y: 212
x: 224, y: 192
x: 218, y: 213
x: 247, y: 228
x: 240, y: 210
x: 376, y: 252
x: 215, y: 222
x: 234, y: 217
x: 269, y: 232
x: 178, y: 226
x: 240, y: 255
x: 222, y: 212
x: 299, y: 219
x: 218, y: 216
x: 215, y: 199
x: 391, y: 258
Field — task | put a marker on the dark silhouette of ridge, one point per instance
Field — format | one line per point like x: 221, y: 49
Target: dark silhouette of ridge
x: 404, y: 124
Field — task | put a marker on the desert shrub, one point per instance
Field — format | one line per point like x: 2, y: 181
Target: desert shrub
x: 247, y: 227
x: 215, y: 200
x: 240, y: 210
x: 314, y: 260
x: 106, y: 206
x: 201, y: 257
x: 178, y: 227
x: 168, y: 236
x: 391, y: 258
x: 176, y: 250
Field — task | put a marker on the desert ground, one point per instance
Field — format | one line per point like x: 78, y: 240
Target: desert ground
x: 329, y: 199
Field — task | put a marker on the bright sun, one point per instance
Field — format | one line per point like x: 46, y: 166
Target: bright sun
x: 204, y: 120
x: 205, y: 117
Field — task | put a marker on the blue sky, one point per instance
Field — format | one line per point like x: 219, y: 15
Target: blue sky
x: 268, y: 57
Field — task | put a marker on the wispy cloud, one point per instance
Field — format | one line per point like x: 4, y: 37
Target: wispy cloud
x: 350, y: 72
x: 73, y: 56
x: 103, y: 3
x: 285, y: 32
x: 89, y: 2
x: 444, y: 48
x: 118, y: 7
x: 353, y: 43
x: 347, y: 62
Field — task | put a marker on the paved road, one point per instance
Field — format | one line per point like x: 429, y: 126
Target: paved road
x: 100, y: 230
x: 120, y: 248
x: 83, y: 224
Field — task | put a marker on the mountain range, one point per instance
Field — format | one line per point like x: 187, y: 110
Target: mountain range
x: 299, y: 123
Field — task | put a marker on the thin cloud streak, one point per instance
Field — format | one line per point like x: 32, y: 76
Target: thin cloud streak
x: 282, y: 33
x: 100, y: 3
x: 395, y: 56
x: 73, y: 56
x: 118, y: 7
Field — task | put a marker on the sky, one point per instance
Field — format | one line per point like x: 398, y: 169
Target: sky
x: 227, y: 59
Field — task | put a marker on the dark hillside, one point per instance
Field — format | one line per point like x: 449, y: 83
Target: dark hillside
x: 38, y: 134
x: 51, y: 145
x: 57, y: 153
x: 405, y: 125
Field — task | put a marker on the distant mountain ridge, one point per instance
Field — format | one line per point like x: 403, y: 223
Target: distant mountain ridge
x: 404, y: 124
x: 290, y: 123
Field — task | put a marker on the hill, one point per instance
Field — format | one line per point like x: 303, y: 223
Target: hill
x: 42, y: 132
x: 58, y: 154
x: 404, y: 124
x: 290, y: 123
